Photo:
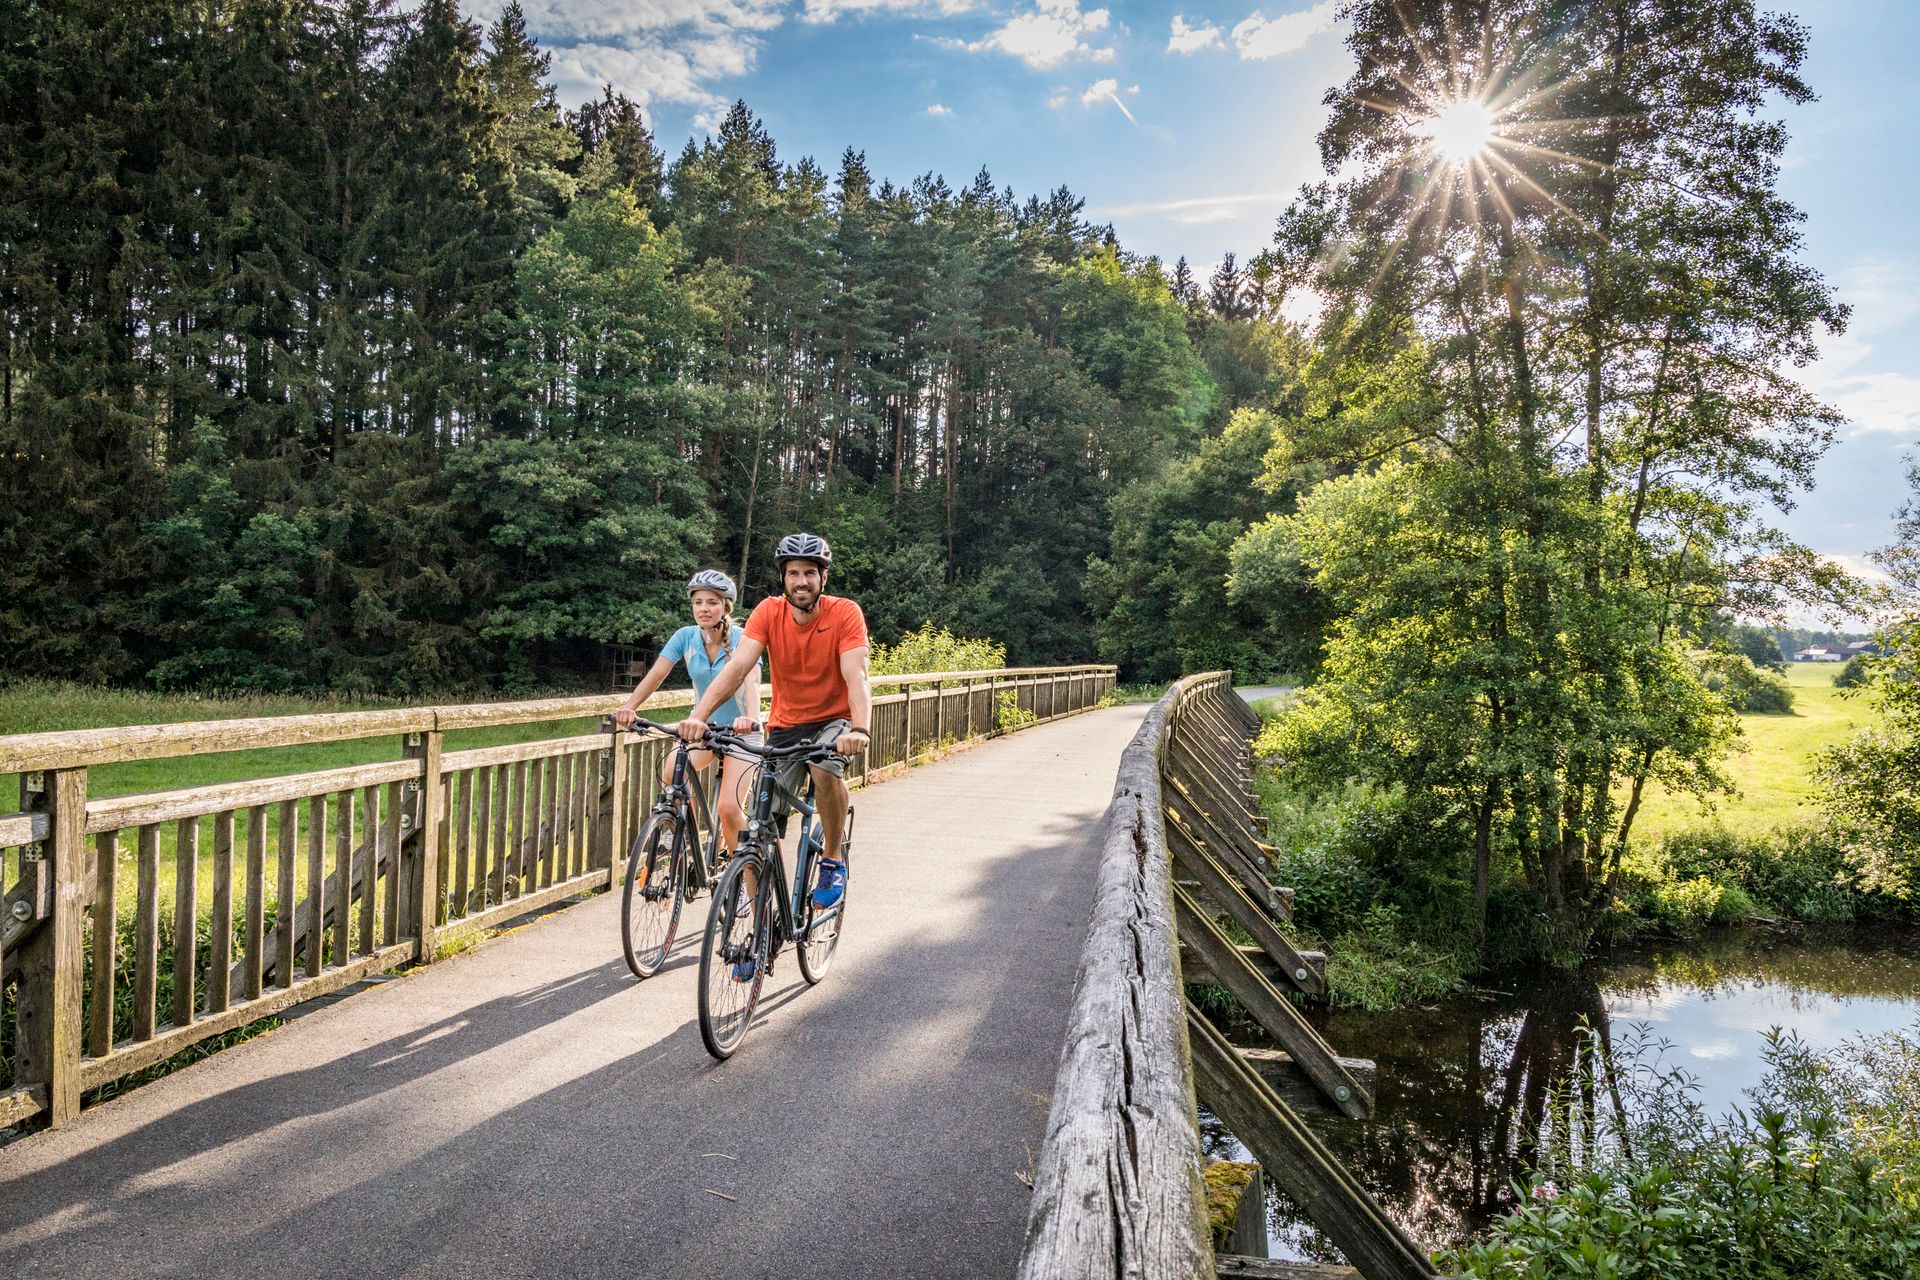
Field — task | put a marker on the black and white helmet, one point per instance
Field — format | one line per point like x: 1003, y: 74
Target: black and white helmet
x: 803, y: 546
x: 713, y: 580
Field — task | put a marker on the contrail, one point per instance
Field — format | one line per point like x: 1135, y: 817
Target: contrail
x: 1115, y: 99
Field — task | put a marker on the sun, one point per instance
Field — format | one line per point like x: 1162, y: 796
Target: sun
x: 1460, y: 131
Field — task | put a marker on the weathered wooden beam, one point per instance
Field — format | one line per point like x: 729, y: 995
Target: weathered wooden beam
x: 1118, y: 1188
x: 195, y: 802
x: 1315, y: 961
x: 1229, y: 1266
x: 1291, y: 1083
x: 1233, y: 850
x: 1298, y: 1161
x: 1194, y: 858
x: 1273, y: 1011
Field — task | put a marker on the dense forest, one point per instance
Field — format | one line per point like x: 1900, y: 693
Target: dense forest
x: 340, y: 356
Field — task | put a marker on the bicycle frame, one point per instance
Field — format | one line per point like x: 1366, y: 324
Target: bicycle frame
x: 762, y: 832
x: 685, y: 792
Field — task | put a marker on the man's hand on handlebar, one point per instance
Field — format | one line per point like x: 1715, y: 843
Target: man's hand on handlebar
x: 851, y: 743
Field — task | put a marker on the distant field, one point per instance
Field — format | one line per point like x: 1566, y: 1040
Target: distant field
x: 1773, y: 767
x: 40, y: 707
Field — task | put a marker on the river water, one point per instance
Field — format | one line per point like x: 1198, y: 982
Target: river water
x: 1443, y: 1145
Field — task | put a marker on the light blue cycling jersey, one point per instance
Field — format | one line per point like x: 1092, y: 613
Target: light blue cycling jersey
x: 687, y: 646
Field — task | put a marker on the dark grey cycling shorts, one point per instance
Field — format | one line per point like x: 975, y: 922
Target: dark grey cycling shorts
x: 792, y: 774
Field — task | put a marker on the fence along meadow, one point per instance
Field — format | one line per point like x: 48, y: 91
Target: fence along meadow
x: 135, y: 927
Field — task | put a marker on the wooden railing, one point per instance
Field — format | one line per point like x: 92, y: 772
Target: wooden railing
x: 138, y: 926
x: 1118, y: 1185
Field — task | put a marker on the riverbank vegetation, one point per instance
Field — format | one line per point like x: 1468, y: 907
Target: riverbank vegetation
x: 1817, y: 1176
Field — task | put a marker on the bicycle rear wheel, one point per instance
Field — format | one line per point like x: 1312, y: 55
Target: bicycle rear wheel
x: 820, y: 936
x: 650, y: 911
x: 733, y: 956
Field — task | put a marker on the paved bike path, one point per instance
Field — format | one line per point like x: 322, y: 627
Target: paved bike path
x: 529, y: 1110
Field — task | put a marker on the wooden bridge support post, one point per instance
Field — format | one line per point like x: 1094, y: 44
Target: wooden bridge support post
x: 47, y: 1041
x: 613, y: 824
x: 420, y: 851
x: 1290, y: 1152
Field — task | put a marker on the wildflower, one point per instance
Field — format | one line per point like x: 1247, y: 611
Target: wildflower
x: 1545, y: 1191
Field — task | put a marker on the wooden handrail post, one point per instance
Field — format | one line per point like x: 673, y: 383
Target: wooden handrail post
x: 47, y: 1042
x: 613, y: 832
x: 906, y: 715
x: 420, y: 863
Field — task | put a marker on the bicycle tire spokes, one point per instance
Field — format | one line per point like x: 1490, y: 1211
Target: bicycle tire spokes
x: 650, y: 909
x: 733, y: 957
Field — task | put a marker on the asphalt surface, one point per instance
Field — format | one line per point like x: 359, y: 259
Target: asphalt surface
x: 530, y: 1110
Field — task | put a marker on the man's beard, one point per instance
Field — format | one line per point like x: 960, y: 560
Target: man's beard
x: 814, y: 593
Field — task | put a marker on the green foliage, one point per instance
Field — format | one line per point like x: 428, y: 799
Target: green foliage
x: 1747, y: 688
x: 1796, y: 872
x: 1008, y: 713
x: 448, y: 387
x: 1165, y: 594
x: 1854, y: 671
x: 1804, y: 1182
x: 936, y: 649
x: 1870, y: 784
x: 1759, y: 645
x: 1368, y: 872
x: 1546, y: 496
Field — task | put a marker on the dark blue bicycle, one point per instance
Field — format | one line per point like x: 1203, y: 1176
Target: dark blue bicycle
x: 755, y: 911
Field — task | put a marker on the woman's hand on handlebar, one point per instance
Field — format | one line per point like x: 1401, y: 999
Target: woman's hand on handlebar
x: 624, y: 717
x: 692, y: 730
x: 746, y: 724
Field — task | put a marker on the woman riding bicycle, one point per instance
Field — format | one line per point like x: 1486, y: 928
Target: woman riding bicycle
x: 705, y: 647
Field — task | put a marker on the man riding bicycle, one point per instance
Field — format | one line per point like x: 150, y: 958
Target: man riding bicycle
x: 817, y: 644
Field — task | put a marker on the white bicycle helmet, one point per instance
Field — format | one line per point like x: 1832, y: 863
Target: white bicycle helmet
x: 713, y: 580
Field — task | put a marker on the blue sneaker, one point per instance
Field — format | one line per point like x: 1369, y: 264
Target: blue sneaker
x: 832, y: 885
x: 743, y: 970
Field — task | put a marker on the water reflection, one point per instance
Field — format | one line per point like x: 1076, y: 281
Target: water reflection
x: 1470, y: 1091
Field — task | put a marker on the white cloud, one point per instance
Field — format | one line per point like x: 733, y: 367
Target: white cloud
x: 1885, y: 294
x: 1059, y: 100
x: 651, y: 70
x: 566, y: 20
x: 939, y: 109
x: 651, y: 50
x: 1188, y: 39
x: 820, y: 11
x: 1107, y: 91
x: 1261, y: 37
x: 1055, y: 31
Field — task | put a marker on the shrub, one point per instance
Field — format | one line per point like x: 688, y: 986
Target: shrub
x: 1854, y: 673
x: 1802, y: 1182
x: 1008, y: 713
x: 933, y: 649
x: 1747, y: 688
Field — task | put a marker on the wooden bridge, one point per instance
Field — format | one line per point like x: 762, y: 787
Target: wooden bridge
x: 985, y: 1083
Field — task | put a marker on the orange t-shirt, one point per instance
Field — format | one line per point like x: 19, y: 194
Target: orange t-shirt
x: 807, y: 684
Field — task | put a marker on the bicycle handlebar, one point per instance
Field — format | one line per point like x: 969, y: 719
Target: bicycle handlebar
x: 728, y: 740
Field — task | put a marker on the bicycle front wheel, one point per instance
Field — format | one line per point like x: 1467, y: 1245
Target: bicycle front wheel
x: 820, y: 936
x: 650, y: 911
x: 733, y: 955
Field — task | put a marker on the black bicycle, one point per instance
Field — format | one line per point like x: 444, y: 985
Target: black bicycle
x: 745, y: 930
x: 668, y: 863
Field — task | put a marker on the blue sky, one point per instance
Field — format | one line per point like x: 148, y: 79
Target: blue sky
x: 1188, y: 125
